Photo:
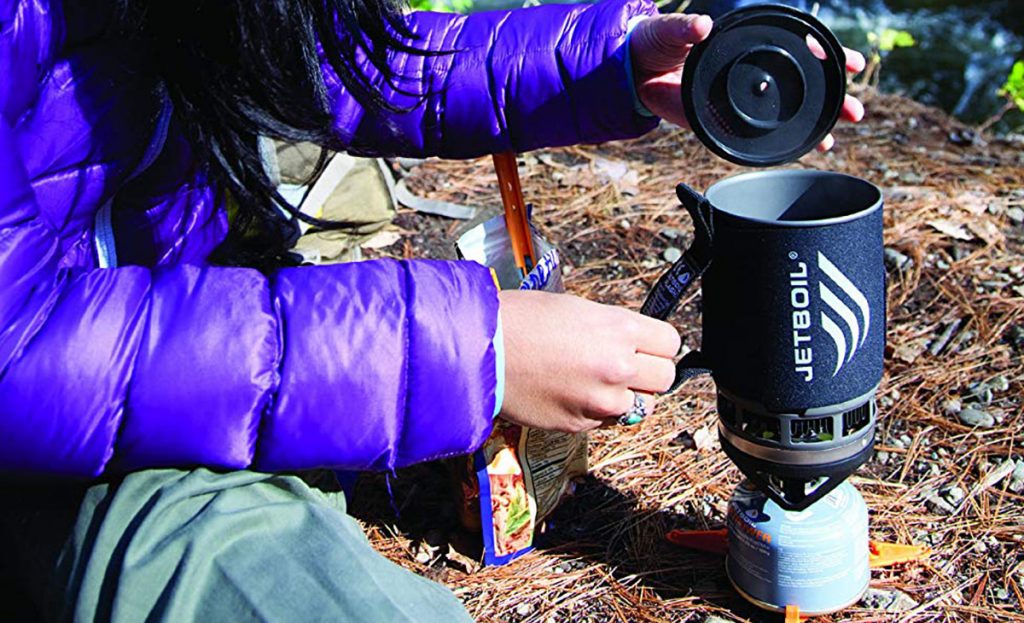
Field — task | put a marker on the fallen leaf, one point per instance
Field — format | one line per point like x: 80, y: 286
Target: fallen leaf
x: 910, y: 351
x: 951, y: 229
x: 973, y: 201
x: 382, y: 240
x: 704, y: 439
x: 985, y: 230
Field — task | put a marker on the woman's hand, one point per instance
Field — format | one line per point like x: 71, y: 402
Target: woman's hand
x: 571, y: 364
x: 659, y: 46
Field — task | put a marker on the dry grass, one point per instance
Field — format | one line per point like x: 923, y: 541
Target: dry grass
x: 604, y: 557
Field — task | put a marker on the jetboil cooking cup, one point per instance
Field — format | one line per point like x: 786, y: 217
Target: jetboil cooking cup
x: 793, y: 322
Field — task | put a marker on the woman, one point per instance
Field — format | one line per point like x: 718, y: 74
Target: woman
x: 132, y: 338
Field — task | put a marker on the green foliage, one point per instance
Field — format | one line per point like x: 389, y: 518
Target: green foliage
x: 443, y: 6
x: 889, y: 39
x: 1013, y: 90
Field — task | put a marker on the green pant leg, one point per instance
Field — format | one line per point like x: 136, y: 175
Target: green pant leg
x: 169, y: 545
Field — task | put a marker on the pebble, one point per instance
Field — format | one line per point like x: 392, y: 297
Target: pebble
x: 1002, y: 594
x: 711, y: 618
x: 939, y: 505
x: 952, y: 406
x: 896, y: 260
x: 999, y: 384
x: 672, y: 254
x: 888, y: 600
x: 954, y: 495
x: 976, y: 418
x: 671, y: 233
x: 906, y: 439
x: 624, y: 223
x: 524, y: 610
x: 1017, y: 336
x: 1016, y: 215
x: 1017, y: 478
x: 882, y: 456
x: 897, y: 443
x: 685, y: 440
x: 981, y: 391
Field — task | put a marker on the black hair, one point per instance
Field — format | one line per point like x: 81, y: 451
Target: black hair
x: 240, y: 69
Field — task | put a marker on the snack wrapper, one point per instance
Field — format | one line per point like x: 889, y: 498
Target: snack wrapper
x: 514, y: 481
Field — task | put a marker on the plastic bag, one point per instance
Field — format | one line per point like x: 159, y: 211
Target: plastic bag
x: 516, y: 479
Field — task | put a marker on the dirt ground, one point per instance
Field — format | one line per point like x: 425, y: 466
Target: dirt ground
x: 948, y: 471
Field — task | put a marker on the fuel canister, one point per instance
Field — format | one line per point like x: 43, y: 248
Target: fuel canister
x: 816, y: 559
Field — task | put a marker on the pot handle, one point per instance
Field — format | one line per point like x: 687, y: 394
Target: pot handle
x: 677, y: 280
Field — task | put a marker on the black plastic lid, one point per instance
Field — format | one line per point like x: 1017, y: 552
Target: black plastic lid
x: 755, y: 94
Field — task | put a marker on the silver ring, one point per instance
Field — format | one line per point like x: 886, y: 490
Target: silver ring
x: 636, y: 413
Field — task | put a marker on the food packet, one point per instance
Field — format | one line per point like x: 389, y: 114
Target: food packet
x: 514, y: 481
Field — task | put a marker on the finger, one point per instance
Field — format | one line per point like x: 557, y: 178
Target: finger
x: 654, y: 374
x: 854, y: 60
x: 816, y: 48
x: 827, y: 144
x: 649, y: 402
x: 853, y: 109
x: 663, y: 97
x: 657, y: 338
x: 677, y: 31
x: 661, y: 43
x: 611, y: 404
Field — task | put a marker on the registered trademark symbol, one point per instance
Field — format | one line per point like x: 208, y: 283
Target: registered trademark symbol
x: 793, y: 255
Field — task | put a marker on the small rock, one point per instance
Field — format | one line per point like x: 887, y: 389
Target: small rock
x: 1016, y: 215
x: 895, y: 260
x: 1016, y: 336
x: 888, y: 600
x: 1002, y: 594
x: 423, y: 556
x: 671, y: 233
x: 684, y: 440
x: 999, y: 384
x: 911, y: 178
x: 963, y: 137
x: 897, y: 443
x: 907, y: 440
x: 524, y: 610
x: 882, y: 456
x: 976, y: 418
x: 1017, y: 478
x: 939, y: 505
x: 952, y: 407
x: 624, y: 223
x: 711, y: 618
x: 672, y: 254
x: 954, y: 495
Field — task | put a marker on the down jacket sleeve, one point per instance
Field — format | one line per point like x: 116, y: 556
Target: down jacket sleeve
x: 360, y: 366
x: 374, y: 365
x: 540, y: 77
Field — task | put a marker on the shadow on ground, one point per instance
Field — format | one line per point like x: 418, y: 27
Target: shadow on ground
x: 597, y: 525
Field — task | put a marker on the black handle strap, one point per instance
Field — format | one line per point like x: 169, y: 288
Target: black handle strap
x: 670, y: 288
x: 664, y: 297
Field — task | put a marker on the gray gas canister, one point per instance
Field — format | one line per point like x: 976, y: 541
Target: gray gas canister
x: 816, y: 559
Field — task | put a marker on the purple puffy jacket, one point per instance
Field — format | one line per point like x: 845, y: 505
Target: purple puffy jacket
x: 164, y: 360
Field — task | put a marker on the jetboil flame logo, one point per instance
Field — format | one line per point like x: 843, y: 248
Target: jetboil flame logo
x: 837, y: 319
